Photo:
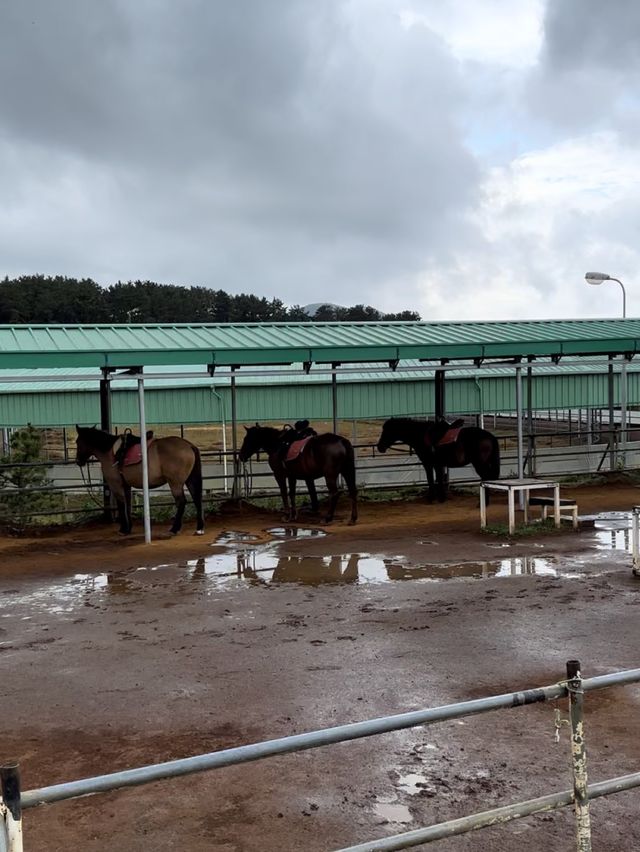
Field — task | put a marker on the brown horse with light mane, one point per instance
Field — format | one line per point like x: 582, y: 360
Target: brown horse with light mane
x: 172, y: 461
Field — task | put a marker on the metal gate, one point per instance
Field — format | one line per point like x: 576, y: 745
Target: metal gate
x: 13, y: 802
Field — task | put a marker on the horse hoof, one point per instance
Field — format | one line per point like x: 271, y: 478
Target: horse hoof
x: 351, y: 523
x: 199, y: 532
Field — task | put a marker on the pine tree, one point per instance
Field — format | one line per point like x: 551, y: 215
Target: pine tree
x: 21, y: 472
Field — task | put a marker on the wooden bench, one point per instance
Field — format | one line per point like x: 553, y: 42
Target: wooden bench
x: 568, y: 506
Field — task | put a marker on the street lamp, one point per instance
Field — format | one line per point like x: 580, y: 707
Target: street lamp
x: 599, y: 277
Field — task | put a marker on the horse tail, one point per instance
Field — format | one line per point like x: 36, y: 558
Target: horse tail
x: 194, y: 484
x: 349, y: 474
x: 494, y: 459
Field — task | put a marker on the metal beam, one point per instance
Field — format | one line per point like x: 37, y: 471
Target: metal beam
x: 146, y: 508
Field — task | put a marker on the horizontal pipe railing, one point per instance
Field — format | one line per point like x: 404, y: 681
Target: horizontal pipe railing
x: 496, y: 816
x: 312, y: 739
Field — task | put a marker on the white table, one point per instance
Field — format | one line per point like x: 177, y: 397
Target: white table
x: 512, y: 486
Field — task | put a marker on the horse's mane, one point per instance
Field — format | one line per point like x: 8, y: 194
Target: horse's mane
x: 100, y: 440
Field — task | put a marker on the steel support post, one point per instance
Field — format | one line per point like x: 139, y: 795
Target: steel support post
x: 522, y: 495
x: 334, y: 398
x: 578, y: 757
x: 531, y: 444
x: 635, y: 539
x: 105, y: 424
x: 440, y: 407
x: 11, y: 807
x: 146, y: 507
x: 235, y: 487
x: 612, y: 443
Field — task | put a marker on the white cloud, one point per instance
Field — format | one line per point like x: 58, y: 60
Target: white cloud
x: 546, y: 219
x: 491, y: 32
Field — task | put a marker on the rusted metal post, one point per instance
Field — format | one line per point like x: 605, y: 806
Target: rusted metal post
x: 11, y: 807
x: 578, y: 757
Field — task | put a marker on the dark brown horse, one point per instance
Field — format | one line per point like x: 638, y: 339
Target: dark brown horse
x: 440, y: 445
x: 172, y: 461
x: 327, y: 456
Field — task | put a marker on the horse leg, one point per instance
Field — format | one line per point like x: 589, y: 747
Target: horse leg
x: 194, y: 484
x: 441, y: 482
x: 292, y: 496
x: 124, y: 515
x: 332, y: 487
x: 281, y: 479
x: 313, y: 495
x: 181, y: 501
x: 428, y: 469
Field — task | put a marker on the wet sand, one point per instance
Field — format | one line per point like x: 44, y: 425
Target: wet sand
x: 115, y: 654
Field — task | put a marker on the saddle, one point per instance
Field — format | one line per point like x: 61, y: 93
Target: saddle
x: 449, y: 437
x: 296, y: 447
x: 128, y: 449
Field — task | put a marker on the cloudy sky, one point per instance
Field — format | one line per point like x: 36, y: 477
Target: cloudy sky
x: 469, y: 159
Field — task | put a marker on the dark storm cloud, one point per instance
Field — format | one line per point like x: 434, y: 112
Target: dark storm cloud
x: 589, y: 65
x: 284, y: 148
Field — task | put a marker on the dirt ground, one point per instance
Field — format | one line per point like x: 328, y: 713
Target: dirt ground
x: 115, y: 654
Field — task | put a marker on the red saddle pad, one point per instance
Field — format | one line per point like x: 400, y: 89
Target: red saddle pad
x: 296, y: 448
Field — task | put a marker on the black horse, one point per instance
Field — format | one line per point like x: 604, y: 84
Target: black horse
x: 440, y: 445
x: 326, y: 455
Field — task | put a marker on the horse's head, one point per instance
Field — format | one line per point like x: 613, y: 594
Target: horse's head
x: 252, y: 443
x: 388, y: 436
x: 89, y: 440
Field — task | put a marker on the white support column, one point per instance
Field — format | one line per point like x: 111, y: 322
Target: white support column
x: 556, y: 504
x: 519, y: 414
x: 483, y: 506
x: 512, y: 511
x: 146, y: 508
x: 635, y: 539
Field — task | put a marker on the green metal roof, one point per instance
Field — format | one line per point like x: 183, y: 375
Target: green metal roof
x: 284, y: 343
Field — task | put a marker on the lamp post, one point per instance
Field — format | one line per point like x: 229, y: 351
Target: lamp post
x: 597, y: 278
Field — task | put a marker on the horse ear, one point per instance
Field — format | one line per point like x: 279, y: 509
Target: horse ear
x: 257, y: 424
x: 77, y: 429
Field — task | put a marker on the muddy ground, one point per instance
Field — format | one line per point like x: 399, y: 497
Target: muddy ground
x: 115, y: 654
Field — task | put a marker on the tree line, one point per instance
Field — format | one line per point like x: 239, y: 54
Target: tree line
x: 32, y: 299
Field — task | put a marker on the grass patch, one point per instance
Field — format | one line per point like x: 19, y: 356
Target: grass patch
x: 522, y: 530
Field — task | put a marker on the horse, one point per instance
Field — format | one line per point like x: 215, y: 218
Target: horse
x: 173, y: 461
x: 440, y: 445
x: 325, y: 455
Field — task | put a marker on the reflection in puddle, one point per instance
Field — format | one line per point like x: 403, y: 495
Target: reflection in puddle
x: 393, y: 812
x: 266, y: 567
x: 295, y: 532
x: 612, y: 530
x: 413, y: 784
x: 258, y: 566
x: 235, y: 537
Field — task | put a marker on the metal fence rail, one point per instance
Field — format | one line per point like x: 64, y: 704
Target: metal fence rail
x: 574, y: 687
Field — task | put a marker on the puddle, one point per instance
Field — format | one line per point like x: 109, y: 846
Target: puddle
x: 413, y: 784
x: 235, y: 537
x: 612, y: 530
x: 255, y: 566
x: 393, y: 812
x: 265, y: 567
x: 295, y: 532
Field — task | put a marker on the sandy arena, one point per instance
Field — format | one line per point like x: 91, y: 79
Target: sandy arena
x: 116, y: 654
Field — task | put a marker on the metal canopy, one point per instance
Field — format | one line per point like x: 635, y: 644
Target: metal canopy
x: 112, y: 346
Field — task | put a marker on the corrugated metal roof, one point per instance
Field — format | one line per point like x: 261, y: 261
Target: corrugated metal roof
x: 40, y: 379
x: 278, y: 343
